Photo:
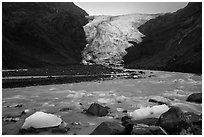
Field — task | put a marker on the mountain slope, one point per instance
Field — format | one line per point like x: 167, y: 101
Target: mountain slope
x: 42, y: 34
x: 173, y: 42
x: 109, y: 36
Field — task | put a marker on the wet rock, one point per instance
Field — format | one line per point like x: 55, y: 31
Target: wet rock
x: 125, y: 118
x: 160, y: 100
x: 118, y: 102
x: 195, y: 97
x: 173, y: 121
x: 41, y: 120
x: 125, y: 111
x: 65, y: 109
x: 142, y: 129
x: 97, y: 110
x: 26, y: 111
x: 141, y: 72
x: 150, y: 76
x: 18, y: 105
x: 109, y: 128
x: 129, y: 123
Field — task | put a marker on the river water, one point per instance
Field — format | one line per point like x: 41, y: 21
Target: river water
x: 118, y: 94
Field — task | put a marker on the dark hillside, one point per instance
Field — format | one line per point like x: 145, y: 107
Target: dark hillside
x: 42, y: 34
x: 173, y: 42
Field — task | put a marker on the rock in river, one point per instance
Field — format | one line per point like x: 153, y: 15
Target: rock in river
x: 195, y: 97
x: 109, y: 128
x: 173, y: 121
x: 97, y: 110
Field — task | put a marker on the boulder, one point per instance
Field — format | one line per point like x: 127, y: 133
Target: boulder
x: 129, y: 123
x: 97, y: 110
x: 142, y: 129
x: 109, y: 128
x: 195, y: 97
x: 173, y: 121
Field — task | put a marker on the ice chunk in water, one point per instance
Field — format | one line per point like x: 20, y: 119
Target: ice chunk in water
x: 149, y: 112
x: 41, y: 120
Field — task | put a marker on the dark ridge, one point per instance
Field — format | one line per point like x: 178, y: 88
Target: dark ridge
x: 42, y: 34
x: 173, y: 42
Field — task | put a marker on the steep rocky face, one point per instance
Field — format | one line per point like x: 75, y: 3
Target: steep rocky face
x: 42, y: 34
x: 109, y: 36
x: 173, y: 42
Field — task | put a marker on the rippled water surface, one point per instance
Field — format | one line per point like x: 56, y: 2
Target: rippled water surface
x: 118, y: 94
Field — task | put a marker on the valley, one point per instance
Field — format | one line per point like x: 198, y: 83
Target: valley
x: 65, y: 72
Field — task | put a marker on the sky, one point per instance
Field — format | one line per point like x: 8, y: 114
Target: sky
x: 120, y: 8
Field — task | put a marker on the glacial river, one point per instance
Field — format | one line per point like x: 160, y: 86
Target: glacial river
x: 118, y: 94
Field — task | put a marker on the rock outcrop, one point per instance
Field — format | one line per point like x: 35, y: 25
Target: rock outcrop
x: 40, y: 34
x: 109, y: 36
x: 173, y: 42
